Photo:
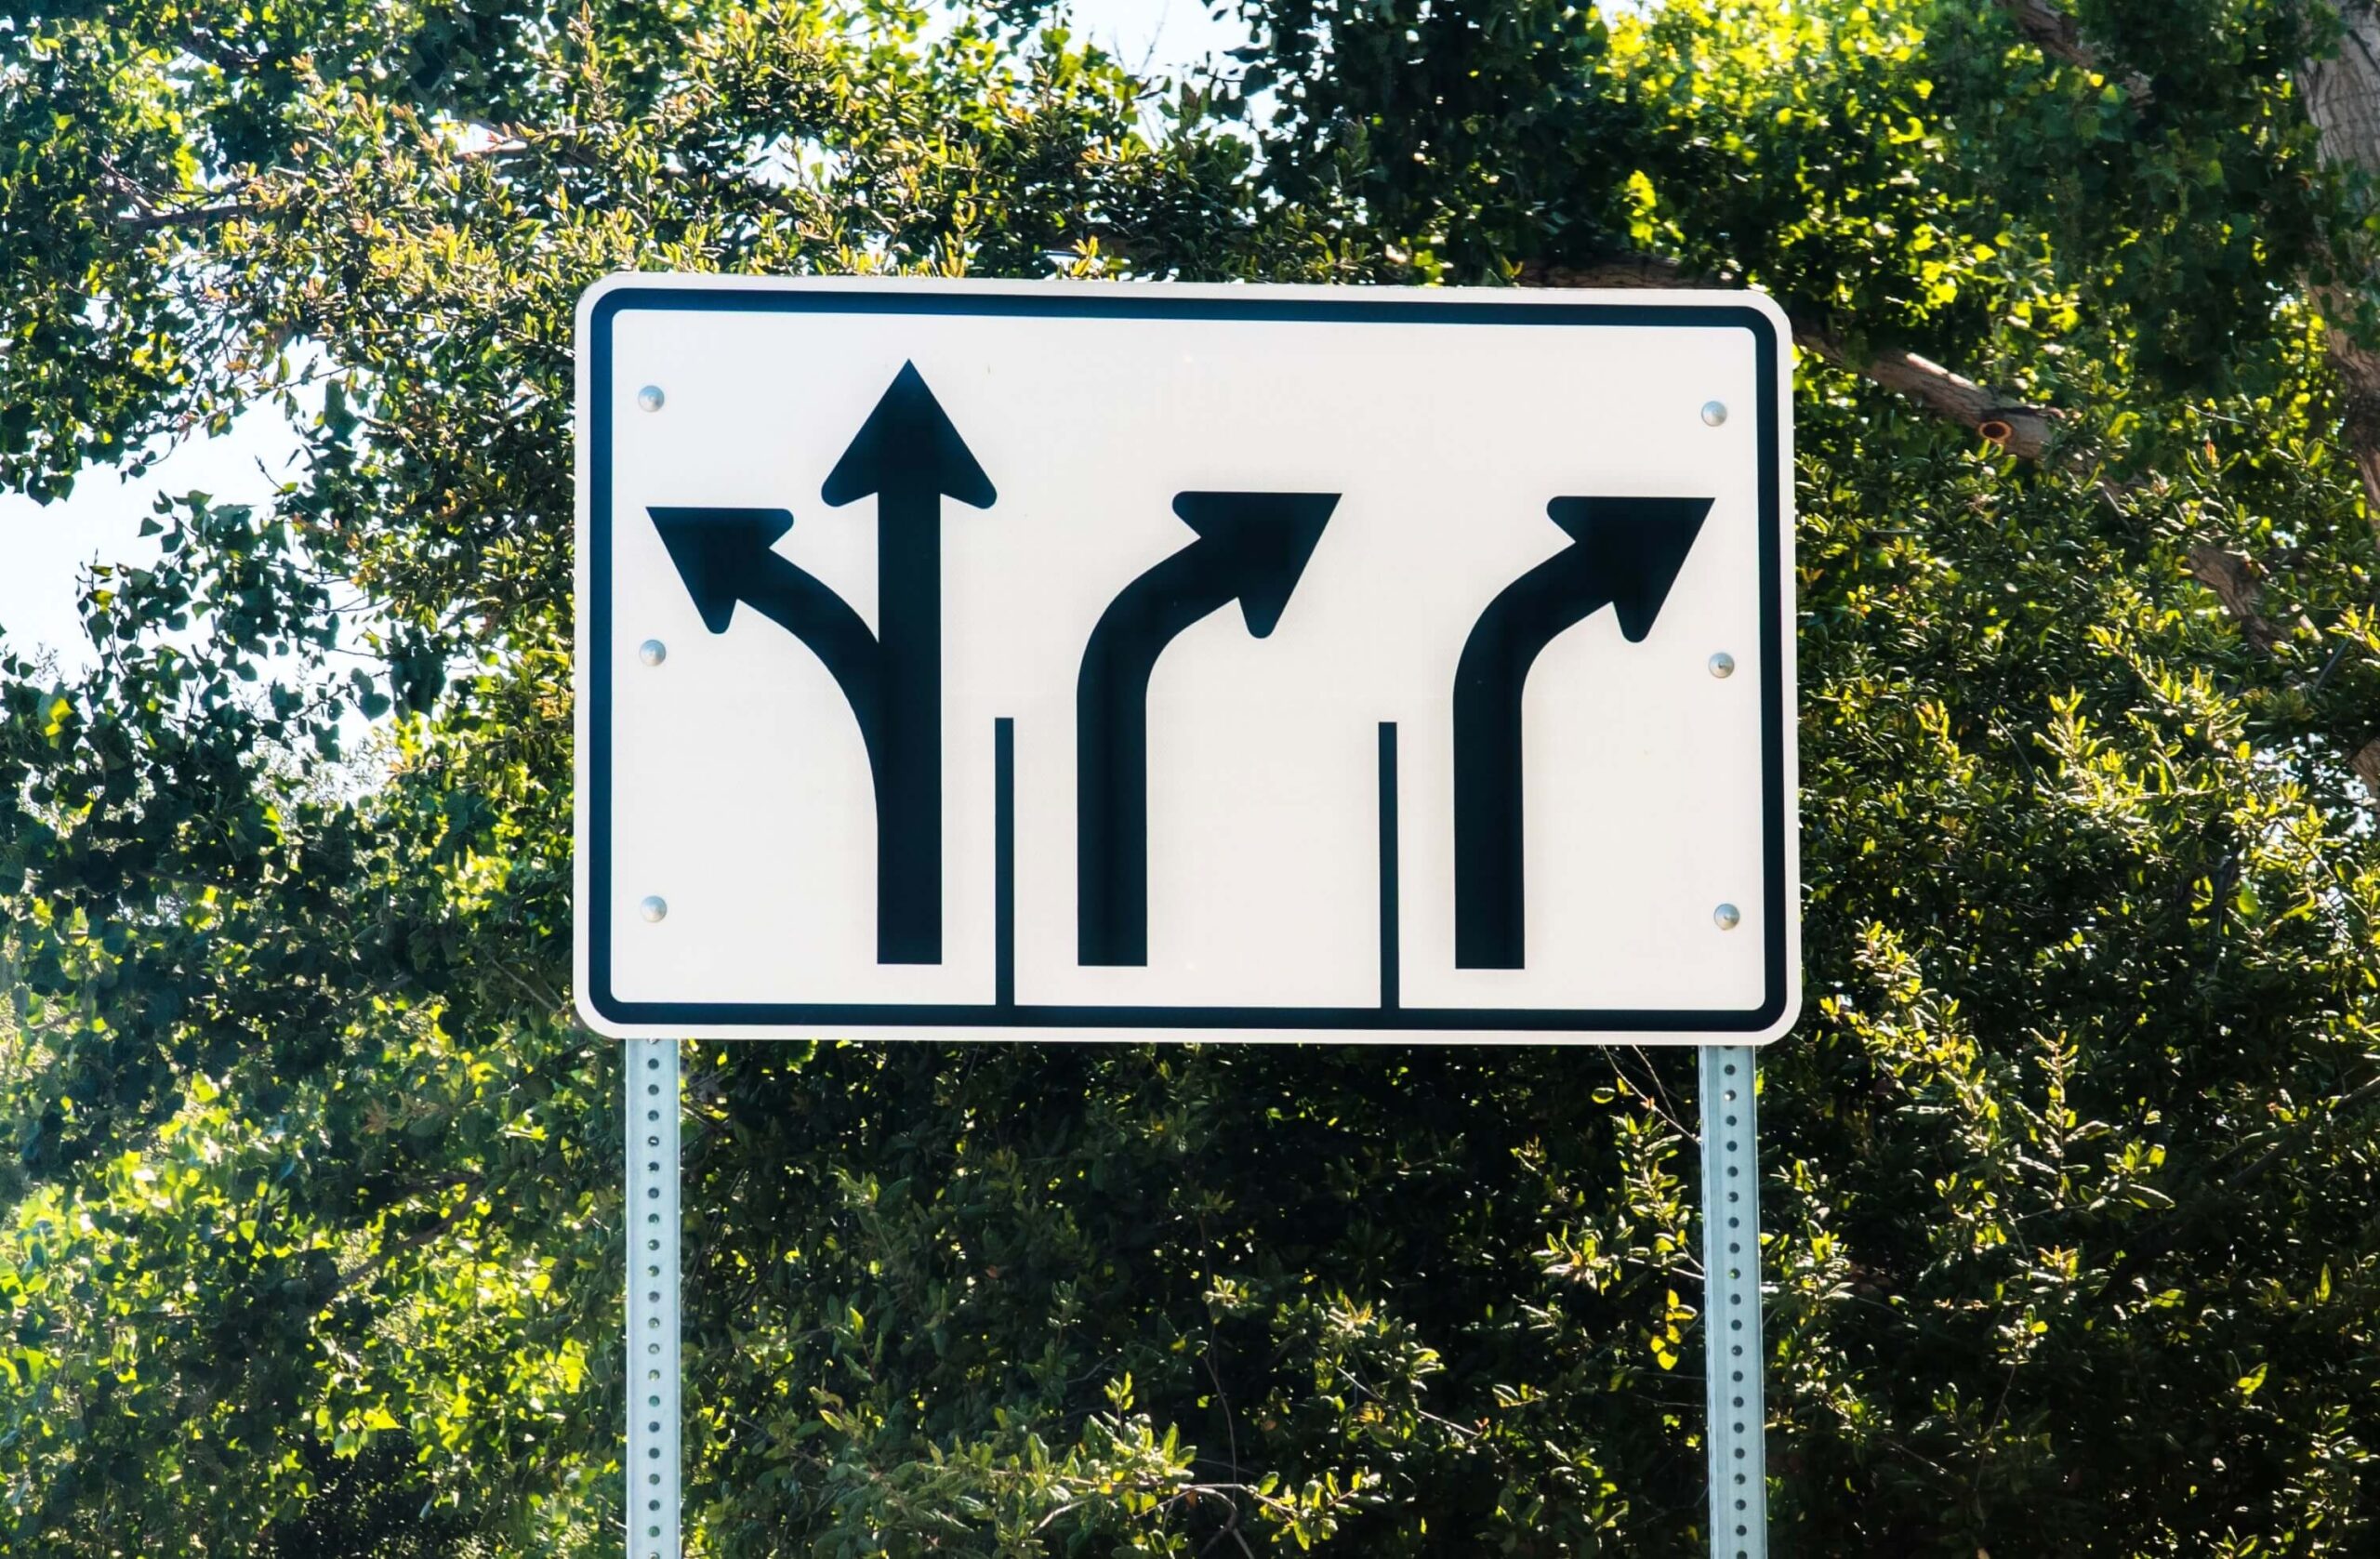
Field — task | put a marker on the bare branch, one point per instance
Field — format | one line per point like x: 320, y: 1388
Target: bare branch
x: 2021, y: 429
x: 2346, y: 1102
x: 2047, y: 27
x: 2367, y: 766
x: 197, y: 215
x: 2050, y: 30
x: 391, y: 1250
x: 2233, y: 579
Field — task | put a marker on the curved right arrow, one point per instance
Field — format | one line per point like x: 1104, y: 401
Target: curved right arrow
x: 1624, y: 553
x: 1251, y: 547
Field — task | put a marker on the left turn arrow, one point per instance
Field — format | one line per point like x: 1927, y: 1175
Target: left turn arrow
x: 725, y: 555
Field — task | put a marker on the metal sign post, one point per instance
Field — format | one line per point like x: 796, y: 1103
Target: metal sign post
x: 1732, y: 1353
x: 651, y: 1371
x: 1388, y: 665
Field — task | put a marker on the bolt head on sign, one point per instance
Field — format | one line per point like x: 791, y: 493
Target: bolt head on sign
x: 1075, y: 660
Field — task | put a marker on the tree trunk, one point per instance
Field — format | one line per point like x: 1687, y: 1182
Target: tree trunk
x: 2342, y: 97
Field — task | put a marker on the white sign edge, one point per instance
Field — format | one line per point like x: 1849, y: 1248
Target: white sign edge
x: 589, y: 1013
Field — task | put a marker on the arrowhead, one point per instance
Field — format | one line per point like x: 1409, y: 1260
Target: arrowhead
x: 717, y: 551
x: 1638, y: 546
x: 1262, y: 539
x: 907, y: 441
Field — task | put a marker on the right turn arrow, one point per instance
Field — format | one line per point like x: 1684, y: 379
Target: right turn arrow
x: 1251, y: 547
x: 1624, y: 553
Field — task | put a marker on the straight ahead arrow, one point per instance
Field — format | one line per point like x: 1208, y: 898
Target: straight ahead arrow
x: 1624, y: 553
x: 909, y: 456
x: 1251, y: 547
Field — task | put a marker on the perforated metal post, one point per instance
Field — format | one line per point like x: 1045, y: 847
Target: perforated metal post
x: 652, y: 1502
x: 1732, y: 1351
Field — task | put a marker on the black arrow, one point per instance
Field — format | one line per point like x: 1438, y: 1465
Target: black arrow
x: 909, y: 456
x: 907, y: 453
x: 724, y: 556
x: 1624, y: 553
x: 1251, y: 547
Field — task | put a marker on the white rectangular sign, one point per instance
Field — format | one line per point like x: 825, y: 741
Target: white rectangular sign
x: 1079, y: 660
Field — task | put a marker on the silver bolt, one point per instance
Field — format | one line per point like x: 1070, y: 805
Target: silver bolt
x: 1726, y: 917
x: 650, y: 398
x: 1714, y: 412
x: 653, y: 652
x: 1723, y: 665
x: 654, y: 907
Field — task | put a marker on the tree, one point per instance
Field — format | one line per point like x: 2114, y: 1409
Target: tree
x: 313, y: 1236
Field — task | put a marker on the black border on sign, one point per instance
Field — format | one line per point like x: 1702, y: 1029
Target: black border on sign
x: 1128, y: 301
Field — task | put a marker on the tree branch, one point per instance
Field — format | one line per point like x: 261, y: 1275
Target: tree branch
x: 2048, y: 27
x: 469, y: 1185
x: 197, y: 215
x: 2049, y: 30
x: 2367, y: 766
x: 2343, y: 1104
x: 2162, y: 1239
x: 2340, y: 93
x: 2233, y: 579
x: 2022, y: 430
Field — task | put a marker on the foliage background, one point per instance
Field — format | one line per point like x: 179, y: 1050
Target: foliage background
x: 309, y: 1235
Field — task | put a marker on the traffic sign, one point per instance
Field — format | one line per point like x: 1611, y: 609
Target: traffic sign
x: 1075, y: 660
